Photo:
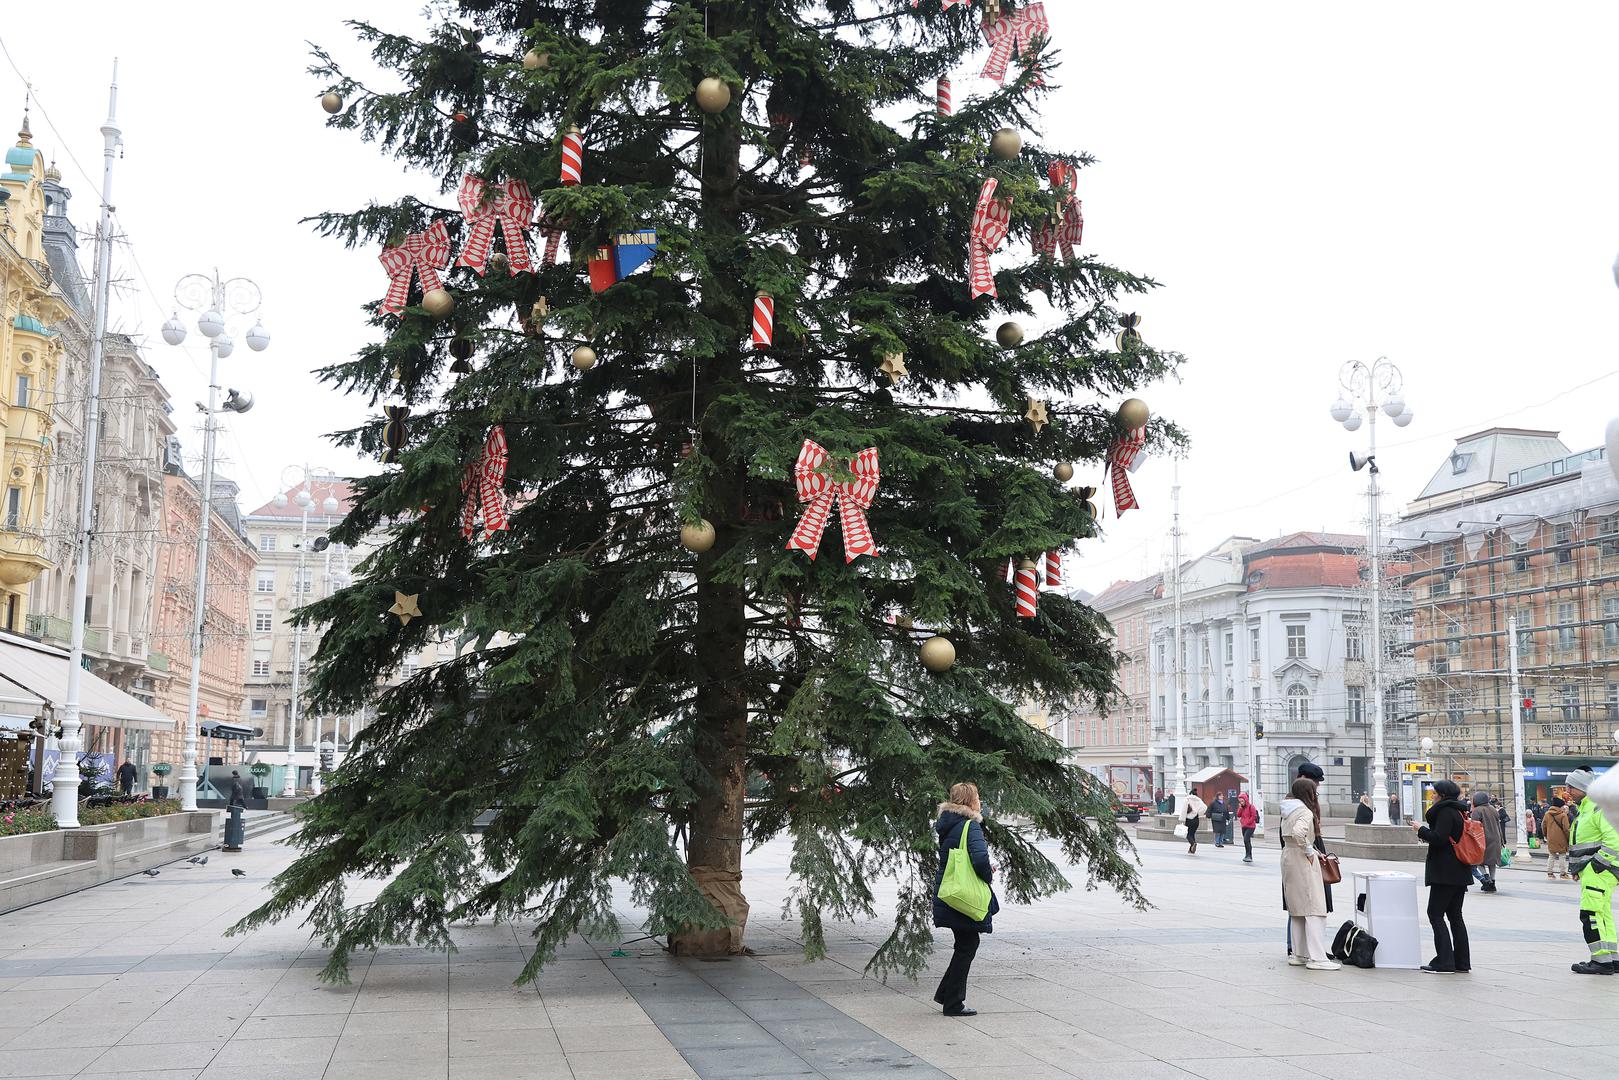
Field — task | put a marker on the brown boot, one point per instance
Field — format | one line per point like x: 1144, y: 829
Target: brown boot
x: 1551, y: 875
x: 1568, y: 877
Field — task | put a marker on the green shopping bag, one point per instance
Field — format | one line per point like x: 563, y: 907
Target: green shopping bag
x: 1506, y: 856
x: 961, y: 887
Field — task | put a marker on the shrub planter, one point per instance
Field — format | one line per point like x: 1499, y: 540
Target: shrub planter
x: 44, y: 865
x: 259, y: 770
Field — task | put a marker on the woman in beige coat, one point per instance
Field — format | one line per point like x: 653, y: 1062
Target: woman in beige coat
x: 1301, y: 877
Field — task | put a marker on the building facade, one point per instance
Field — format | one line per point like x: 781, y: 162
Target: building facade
x: 1273, y: 669
x: 31, y: 303
x: 1121, y: 733
x: 128, y: 497
x: 231, y: 561
x: 1514, y: 529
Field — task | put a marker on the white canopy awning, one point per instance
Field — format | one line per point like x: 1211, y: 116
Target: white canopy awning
x: 40, y: 671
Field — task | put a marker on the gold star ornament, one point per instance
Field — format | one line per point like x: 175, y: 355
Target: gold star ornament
x: 406, y: 607
x: 1036, y: 414
x: 893, y: 366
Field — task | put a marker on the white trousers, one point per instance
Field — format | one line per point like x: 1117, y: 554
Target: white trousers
x: 1310, y: 931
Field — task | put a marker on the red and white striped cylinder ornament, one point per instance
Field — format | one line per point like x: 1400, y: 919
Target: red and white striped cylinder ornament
x: 573, y: 157
x: 944, y: 96
x: 764, y: 321
x: 1028, y: 589
x: 1054, y: 568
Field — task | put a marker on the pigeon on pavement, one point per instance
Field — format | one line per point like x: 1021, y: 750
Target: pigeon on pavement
x: 151, y: 873
x: 199, y: 860
x: 238, y: 873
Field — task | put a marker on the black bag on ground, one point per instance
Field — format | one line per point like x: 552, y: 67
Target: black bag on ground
x: 1354, y: 946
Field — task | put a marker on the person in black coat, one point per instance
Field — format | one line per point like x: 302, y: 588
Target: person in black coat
x: 1447, y: 878
x: 963, y: 811
x: 238, y: 793
x: 1363, y: 811
x: 126, y: 777
x: 1219, y: 814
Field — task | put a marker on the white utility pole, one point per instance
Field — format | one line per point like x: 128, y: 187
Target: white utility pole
x: 65, y: 783
x: 289, y: 787
x: 1175, y: 662
x: 1522, y: 849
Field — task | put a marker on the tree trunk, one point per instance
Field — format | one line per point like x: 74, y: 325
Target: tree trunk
x: 714, y: 848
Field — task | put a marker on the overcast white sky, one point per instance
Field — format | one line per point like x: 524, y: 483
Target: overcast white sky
x: 1312, y: 183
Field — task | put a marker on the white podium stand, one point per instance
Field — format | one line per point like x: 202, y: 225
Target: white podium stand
x: 1386, y: 906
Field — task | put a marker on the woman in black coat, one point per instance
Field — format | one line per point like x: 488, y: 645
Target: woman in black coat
x: 963, y: 811
x: 1447, y: 878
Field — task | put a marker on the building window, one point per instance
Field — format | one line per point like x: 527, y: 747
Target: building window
x: 13, y: 508
x: 258, y: 708
x: 1354, y: 641
x: 1230, y: 703
x: 1206, y: 663
x: 1570, y: 695
x: 261, y: 668
x: 266, y: 581
x: 23, y: 387
x: 267, y: 541
x: 1449, y: 554
x: 1296, y: 642
x: 1610, y: 621
x: 263, y: 622
x: 1298, y: 702
x: 1230, y: 647
x: 1455, y: 707
x: 1355, y: 699
x: 1564, y: 537
x: 1161, y: 654
x: 1253, y: 644
x: 1520, y: 557
x: 1453, y: 647
x: 309, y: 582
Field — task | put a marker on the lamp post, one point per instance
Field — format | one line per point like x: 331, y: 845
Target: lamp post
x: 219, y: 303
x: 329, y: 507
x: 1370, y: 389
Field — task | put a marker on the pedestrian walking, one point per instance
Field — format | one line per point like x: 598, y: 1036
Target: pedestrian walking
x: 1363, y: 811
x: 238, y: 794
x: 1219, y: 814
x: 961, y: 815
x: 1301, y: 876
x: 1555, y: 827
x: 1595, y: 851
x: 1485, y: 815
x: 1248, y: 818
x: 1447, y: 878
x: 126, y: 777
x: 1394, y: 808
x: 1194, y: 809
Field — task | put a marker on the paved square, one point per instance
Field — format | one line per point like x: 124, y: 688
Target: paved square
x: 133, y: 979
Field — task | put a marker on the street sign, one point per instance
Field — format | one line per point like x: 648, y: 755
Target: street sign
x: 1423, y: 767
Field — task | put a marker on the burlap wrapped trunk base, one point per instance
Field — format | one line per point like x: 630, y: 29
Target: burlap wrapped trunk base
x: 723, y: 888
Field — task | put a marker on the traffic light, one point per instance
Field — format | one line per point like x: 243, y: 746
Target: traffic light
x: 1259, y: 729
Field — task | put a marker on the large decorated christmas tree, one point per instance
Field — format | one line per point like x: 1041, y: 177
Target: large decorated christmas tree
x: 718, y: 446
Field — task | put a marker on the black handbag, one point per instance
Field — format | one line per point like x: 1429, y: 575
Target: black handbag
x: 1354, y: 946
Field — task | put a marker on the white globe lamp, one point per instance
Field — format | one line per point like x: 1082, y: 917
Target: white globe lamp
x: 258, y: 338
x: 1341, y: 409
x: 303, y: 499
x: 1353, y: 423
x: 329, y: 506
x: 1394, y: 406
x: 1405, y: 418
x: 211, y: 323
x: 174, y: 331
x: 280, y: 500
x: 225, y: 345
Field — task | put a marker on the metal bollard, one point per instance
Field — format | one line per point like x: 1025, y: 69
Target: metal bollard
x: 234, y: 830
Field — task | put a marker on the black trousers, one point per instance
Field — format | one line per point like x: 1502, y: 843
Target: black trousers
x: 1451, y: 949
x: 952, y: 991
x: 1248, y: 843
x: 1191, y: 833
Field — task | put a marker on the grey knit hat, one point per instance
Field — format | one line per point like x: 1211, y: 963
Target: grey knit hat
x: 1581, y: 779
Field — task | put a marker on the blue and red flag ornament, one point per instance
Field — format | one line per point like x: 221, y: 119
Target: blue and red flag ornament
x: 628, y: 253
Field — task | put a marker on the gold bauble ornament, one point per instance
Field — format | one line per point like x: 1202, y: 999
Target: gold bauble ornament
x: 1009, y: 334
x: 698, y: 537
x: 1064, y: 472
x: 533, y: 60
x: 584, y: 358
x: 500, y: 263
x: 938, y: 654
x: 332, y: 101
x: 438, y: 302
x: 1134, y: 414
x: 1006, y: 144
x: 713, y: 96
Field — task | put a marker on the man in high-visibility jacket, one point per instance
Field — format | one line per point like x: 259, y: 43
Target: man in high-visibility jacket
x: 1596, y: 843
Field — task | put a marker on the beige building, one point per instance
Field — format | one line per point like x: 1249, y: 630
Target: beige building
x: 1120, y: 735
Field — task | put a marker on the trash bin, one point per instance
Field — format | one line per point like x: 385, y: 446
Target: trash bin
x: 1386, y: 906
x: 234, y: 829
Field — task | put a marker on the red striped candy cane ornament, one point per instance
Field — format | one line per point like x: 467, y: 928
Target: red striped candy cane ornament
x: 1054, y: 568
x: 944, y: 96
x: 764, y: 321
x: 573, y: 157
x: 1028, y: 589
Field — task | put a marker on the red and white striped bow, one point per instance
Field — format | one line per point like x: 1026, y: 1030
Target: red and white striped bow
x: 485, y: 205
x: 945, y: 4
x: 820, y: 491
x: 1019, y: 30
x: 425, y: 253
x: 1068, y: 227
x: 1123, y: 458
x: 991, y: 220
x: 483, y: 486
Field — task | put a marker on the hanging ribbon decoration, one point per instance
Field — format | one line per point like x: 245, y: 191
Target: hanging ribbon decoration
x: 1018, y: 30
x: 764, y: 321
x: 1054, y: 569
x: 573, y: 157
x: 485, y: 205
x: 1068, y: 227
x: 820, y: 491
x: 423, y: 253
x: 945, y: 104
x: 553, y: 240
x: 1028, y: 589
x: 991, y: 220
x: 1124, y: 458
x: 483, y: 486
x: 393, y: 433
